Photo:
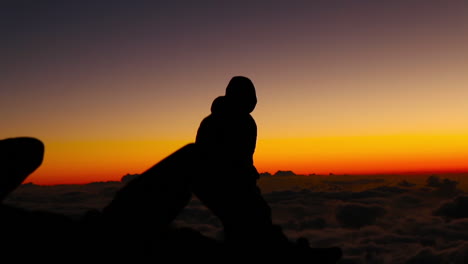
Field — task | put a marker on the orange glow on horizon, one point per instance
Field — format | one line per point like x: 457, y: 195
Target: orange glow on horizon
x: 77, y: 162
x: 88, y: 161
x: 365, y: 154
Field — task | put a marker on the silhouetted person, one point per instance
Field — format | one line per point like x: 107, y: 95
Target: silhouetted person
x: 220, y: 171
x: 19, y: 157
x: 227, y: 184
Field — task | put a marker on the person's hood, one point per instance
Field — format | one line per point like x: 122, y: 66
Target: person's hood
x: 241, y: 94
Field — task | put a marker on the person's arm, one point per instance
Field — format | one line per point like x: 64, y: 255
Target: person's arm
x: 244, y: 147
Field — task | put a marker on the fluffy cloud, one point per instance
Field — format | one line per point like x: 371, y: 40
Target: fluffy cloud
x: 457, y: 208
x: 453, y: 255
x: 445, y: 187
x: 354, y: 182
x: 354, y: 215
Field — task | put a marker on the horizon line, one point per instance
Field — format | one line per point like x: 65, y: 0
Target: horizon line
x: 408, y: 173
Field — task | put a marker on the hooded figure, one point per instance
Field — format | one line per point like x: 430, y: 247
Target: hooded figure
x: 227, y: 138
x: 227, y: 182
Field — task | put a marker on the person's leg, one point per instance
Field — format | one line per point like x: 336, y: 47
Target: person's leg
x: 153, y: 200
x: 252, y: 221
x: 245, y: 215
x: 19, y: 157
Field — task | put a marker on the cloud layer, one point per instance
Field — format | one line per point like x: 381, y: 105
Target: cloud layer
x: 393, y: 223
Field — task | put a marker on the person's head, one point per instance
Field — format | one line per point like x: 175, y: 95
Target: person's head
x: 241, y: 94
x: 219, y: 105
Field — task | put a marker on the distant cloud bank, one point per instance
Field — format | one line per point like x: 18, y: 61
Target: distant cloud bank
x: 398, y: 222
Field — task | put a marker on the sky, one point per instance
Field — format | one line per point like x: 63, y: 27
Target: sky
x: 112, y: 87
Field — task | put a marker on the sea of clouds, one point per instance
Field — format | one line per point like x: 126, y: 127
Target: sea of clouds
x: 380, y: 222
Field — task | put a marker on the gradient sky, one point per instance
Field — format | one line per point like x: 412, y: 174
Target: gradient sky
x: 342, y: 86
